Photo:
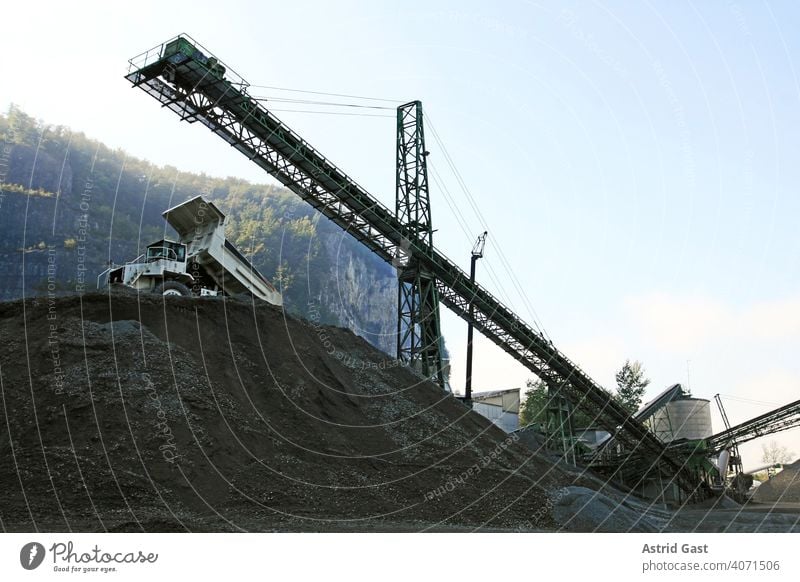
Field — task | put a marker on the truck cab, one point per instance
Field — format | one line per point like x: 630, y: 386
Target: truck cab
x: 162, y: 269
x: 166, y: 250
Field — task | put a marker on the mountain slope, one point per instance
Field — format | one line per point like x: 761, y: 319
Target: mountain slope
x: 70, y: 204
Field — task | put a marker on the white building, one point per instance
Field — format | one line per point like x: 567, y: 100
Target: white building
x: 499, y: 406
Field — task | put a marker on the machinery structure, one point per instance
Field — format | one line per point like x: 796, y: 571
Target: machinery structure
x: 183, y: 77
x: 735, y: 460
x: 560, y: 426
x: 201, y: 262
x: 777, y: 420
x: 683, y: 424
x: 677, y: 420
x: 419, y: 336
x: 644, y: 415
x: 477, y: 253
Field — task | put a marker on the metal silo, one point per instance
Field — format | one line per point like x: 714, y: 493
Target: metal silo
x: 687, y: 418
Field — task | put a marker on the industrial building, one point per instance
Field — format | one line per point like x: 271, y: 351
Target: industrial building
x: 678, y: 420
x: 686, y: 418
x: 499, y: 406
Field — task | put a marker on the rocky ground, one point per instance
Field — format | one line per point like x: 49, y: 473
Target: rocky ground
x: 142, y: 413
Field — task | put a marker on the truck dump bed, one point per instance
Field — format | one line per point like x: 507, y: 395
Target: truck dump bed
x: 201, y: 226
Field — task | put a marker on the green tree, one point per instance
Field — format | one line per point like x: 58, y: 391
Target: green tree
x: 537, y: 399
x: 631, y: 384
x: 534, y: 407
x: 26, y: 130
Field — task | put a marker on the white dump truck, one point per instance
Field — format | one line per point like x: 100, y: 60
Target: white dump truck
x: 202, y: 262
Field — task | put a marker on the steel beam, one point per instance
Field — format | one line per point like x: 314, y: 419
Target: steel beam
x: 419, y: 337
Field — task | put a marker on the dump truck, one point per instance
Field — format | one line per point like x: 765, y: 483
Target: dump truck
x: 201, y: 262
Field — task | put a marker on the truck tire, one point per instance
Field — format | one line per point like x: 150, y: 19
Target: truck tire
x: 172, y: 288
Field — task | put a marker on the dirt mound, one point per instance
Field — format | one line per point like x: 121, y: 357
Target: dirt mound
x: 128, y: 412
x: 782, y: 488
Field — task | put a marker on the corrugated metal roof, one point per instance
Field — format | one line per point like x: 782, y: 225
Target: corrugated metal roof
x: 493, y: 393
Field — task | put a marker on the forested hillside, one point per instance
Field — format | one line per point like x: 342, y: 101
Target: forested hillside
x: 69, y: 204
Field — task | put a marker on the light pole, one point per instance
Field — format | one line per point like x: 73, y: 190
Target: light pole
x: 477, y: 253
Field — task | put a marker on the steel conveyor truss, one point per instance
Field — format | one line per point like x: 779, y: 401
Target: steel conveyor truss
x: 197, y: 87
x: 782, y: 418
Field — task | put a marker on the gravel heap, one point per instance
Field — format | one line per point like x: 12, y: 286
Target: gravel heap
x: 782, y: 488
x: 144, y: 413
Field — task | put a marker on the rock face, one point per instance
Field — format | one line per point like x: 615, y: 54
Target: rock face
x: 361, y: 295
x: 136, y: 413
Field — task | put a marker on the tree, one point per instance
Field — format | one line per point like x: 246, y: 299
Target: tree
x: 534, y: 407
x: 25, y: 129
x: 631, y: 384
x: 776, y: 454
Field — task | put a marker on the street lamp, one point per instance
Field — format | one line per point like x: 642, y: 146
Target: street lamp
x: 477, y: 253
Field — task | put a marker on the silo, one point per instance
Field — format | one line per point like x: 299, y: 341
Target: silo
x: 687, y: 418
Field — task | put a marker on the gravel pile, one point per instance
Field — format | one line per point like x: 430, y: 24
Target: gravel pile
x: 782, y: 488
x: 128, y: 413
x: 145, y: 413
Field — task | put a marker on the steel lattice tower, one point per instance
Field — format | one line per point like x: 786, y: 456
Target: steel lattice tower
x: 419, y: 338
x: 559, y: 428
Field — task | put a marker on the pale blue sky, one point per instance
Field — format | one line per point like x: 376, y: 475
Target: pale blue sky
x: 636, y: 162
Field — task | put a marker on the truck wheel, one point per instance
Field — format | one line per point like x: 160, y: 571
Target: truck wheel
x: 172, y: 288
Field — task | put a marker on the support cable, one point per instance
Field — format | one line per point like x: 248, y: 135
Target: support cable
x: 324, y: 93
x: 324, y: 103
x: 503, y: 259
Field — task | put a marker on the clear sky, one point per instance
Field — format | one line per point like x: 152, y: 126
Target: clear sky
x: 634, y: 162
